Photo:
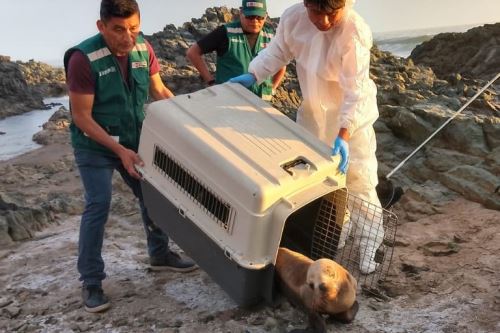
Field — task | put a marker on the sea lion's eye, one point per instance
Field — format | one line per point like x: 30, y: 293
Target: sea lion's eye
x: 311, y: 285
x: 323, y: 287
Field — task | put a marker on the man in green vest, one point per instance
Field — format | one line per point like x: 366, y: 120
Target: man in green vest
x: 236, y: 44
x: 109, y: 78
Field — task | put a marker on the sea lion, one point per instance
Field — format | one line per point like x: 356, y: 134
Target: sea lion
x: 319, y: 287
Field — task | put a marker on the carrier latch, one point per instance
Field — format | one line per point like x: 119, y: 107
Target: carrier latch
x: 297, y: 164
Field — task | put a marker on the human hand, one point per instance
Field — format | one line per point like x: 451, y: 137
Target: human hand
x: 129, y: 160
x: 245, y: 80
x: 341, y: 146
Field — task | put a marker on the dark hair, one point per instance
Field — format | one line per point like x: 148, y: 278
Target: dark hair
x: 118, y: 8
x: 326, y: 5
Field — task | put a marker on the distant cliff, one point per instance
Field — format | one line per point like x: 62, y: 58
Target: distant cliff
x: 24, y: 85
x: 473, y: 54
x: 47, y: 80
x: 15, y: 94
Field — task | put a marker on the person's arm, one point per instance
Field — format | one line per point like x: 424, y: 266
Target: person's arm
x: 275, y: 56
x: 157, y: 90
x: 216, y: 40
x: 195, y: 56
x: 354, y: 82
x: 278, y: 77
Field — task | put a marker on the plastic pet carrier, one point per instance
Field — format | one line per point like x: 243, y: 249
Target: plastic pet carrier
x: 230, y: 179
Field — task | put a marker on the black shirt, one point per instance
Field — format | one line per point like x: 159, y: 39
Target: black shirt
x: 215, y: 41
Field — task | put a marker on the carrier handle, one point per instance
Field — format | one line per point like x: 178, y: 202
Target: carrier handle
x: 294, y: 163
x: 139, y: 170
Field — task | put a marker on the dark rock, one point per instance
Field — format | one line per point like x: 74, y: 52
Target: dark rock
x: 15, y: 95
x: 43, y: 78
x: 474, y: 183
x: 438, y: 249
x: 56, y: 129
x: 11, y: 311
x: 23, y: 86
x: 19, y: 221
x: 474, y: 54
x: 5, y: 238
x: 412, y: 269
x: 49, y: 106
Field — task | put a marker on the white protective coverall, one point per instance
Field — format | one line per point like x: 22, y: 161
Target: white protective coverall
x: 333, y: 72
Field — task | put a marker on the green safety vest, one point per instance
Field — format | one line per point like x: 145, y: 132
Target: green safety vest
x: 239, y: 55
x: 118, y: 108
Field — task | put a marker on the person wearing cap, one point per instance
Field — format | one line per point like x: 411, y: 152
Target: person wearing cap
x: 236, y: 44
x: 331, y: 45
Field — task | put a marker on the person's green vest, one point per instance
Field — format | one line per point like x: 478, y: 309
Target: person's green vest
x: 239, y: 55
x: 118, y: 107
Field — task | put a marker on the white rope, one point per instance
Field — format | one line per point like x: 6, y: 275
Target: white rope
x: 445, y: 123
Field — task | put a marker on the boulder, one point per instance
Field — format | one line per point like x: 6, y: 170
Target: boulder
x: 24, y: 85
x: 474, y: 54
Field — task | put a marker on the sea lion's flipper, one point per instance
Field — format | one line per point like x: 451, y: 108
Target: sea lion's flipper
x: 347, y: 316
x: 317, y: 323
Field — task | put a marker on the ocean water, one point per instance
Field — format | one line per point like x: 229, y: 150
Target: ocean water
x: 401, y: 43
x: 19, y: 129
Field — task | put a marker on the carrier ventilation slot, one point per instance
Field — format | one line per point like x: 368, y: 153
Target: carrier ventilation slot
x: 217, y: 209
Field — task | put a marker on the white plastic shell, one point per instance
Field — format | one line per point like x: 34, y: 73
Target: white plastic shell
x: 256, y: 164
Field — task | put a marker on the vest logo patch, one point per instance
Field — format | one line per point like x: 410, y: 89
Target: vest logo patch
x: 235, y: 40
x: 139, y: 64
x: 107, y: 71
x: 234, y: 30
x: 255, y: 4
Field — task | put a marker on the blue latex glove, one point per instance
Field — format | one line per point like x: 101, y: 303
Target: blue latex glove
x: 341, y: 146
x: 246, y: 79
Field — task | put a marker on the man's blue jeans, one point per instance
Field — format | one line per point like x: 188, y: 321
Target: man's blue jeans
x: 96, y: 171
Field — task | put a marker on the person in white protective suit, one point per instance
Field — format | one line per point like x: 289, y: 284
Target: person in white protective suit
x: 331, y: 45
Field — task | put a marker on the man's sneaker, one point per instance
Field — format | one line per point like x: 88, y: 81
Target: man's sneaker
x: 94, y: 299
x: 172, y: 262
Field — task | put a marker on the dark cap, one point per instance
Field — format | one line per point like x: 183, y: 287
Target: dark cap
x: 254, y: 7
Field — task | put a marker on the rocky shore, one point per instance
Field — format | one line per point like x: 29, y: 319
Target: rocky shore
x: 473, y: 54
x: 23, y: 85
x: 451, y: 200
